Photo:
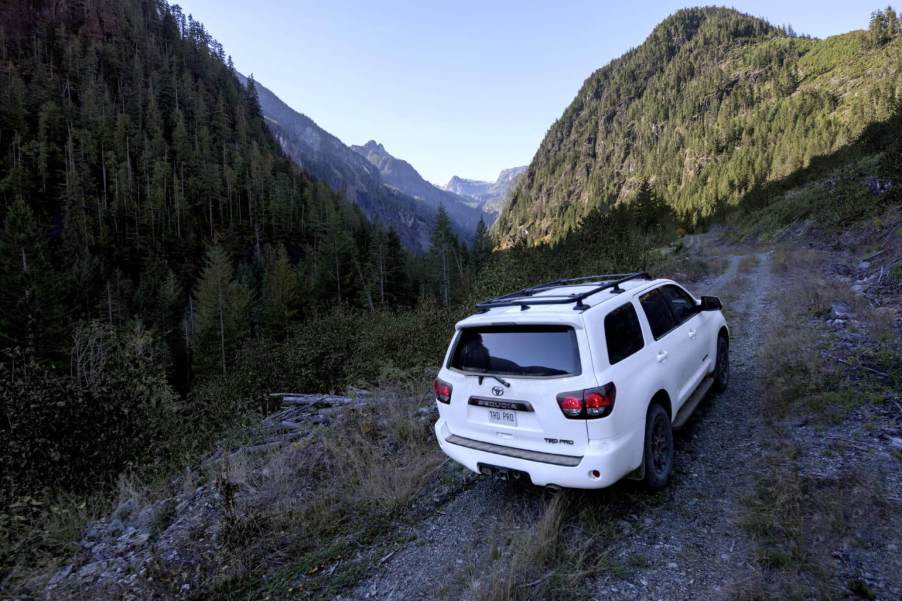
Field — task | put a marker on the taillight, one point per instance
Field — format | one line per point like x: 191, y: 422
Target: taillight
x: 590, y: 403
x: 442, y: 391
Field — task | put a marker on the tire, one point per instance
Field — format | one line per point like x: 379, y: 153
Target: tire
x: 722, y: 365
x: 658, y: 457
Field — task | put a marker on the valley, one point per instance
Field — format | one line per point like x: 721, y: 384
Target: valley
x: 740, y: 519
x: 220, y: 323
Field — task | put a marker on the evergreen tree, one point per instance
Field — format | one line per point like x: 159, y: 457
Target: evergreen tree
x: 221, y: 307
x: 31, y: 306
x: 482, y: 245
x: 444, y: 260
x: 281, y: 293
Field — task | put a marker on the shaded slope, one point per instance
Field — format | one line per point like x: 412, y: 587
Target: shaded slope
x: 401, y: 175
x: 329, y: 159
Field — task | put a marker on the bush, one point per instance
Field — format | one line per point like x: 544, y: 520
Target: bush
x: 68, y: 430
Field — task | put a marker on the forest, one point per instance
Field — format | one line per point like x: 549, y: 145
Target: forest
x: 712, y: 105
x: 152, y: 233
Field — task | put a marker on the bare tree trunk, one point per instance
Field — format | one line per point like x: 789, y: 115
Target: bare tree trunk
x: 445, y: 283
x: 221, y: 330
x: 109, y: 302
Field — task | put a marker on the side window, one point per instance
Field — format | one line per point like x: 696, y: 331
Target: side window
x: 658, y: 312
x: 622, y: 333
x: 681, y: 304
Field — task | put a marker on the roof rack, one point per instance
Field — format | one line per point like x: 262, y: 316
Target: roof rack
x: 526, y: 297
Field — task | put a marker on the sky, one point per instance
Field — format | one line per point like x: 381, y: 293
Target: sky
x: 463, y: 87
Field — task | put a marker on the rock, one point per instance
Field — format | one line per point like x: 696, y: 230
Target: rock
x: 88, y: 570
x: 672, y: 566
x: 840, y: 310
x: 126, y: 508
x: 60, y: 575
x: 896, y: 441
x: 863, y: 266
x: 858, y: 288
x: 115, y: 527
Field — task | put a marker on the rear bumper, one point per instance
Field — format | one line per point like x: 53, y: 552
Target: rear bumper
x: 613, y: 458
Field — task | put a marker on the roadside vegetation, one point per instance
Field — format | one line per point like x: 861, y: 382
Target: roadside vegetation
x: 832, y: 361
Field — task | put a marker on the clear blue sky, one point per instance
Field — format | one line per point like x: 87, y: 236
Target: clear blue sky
x: 462, y: 87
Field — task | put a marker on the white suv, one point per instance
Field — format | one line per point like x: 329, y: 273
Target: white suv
x: 577, y: 383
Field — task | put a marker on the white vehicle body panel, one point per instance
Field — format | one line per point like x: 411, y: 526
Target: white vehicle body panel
x: 544, y: 443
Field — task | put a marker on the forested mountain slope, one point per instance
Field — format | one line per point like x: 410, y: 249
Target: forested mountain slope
x: 401, y: 175
x: 712, y: 104
x: 329, y: 159
x: 151, y: 227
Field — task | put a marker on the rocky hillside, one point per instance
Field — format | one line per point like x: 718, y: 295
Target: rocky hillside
x: 400, y: 175
x: 329, y: 159
x: 349, y: 173
x: 711, y: 105
x: 489, y: 196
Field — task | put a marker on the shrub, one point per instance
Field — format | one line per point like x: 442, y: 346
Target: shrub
x: 67, y: 430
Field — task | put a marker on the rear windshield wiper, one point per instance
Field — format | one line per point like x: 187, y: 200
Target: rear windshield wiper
x: 499, y: 378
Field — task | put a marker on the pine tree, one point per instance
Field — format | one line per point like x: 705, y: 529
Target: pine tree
x: 281, y: 293
x: 31, y: 303
x: 221, y: 307
x: 445, y: 264
x: 482, y: 245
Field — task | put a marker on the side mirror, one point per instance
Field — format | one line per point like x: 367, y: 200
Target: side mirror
x: 711, y: 303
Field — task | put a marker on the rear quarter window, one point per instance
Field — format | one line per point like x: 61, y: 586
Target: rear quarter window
x: 657, y: 311
x: 518, y: 351
x: 622, y: 333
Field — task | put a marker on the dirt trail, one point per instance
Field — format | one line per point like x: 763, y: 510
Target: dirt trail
x: 683, y: 543
x: 692, y: 543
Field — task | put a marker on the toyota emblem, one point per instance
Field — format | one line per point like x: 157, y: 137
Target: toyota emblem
x: 497, y: 391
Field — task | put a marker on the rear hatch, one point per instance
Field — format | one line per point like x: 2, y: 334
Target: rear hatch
x: 506, y: 379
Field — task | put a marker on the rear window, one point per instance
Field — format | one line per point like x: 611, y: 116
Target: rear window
x: 518, y: 351
x: 622, y: 333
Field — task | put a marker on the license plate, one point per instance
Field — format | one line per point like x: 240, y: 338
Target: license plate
x: 505, y: 418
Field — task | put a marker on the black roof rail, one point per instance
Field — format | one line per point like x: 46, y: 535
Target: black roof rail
x: 526, y: 297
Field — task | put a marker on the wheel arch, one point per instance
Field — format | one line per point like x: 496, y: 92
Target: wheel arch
x: 661, y: 397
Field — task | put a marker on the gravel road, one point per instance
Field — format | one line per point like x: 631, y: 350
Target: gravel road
x: 683, y: 543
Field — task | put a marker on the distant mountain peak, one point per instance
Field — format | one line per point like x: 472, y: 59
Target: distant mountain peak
x: 489, y: 195
x: 402, y: 176
x: 374, y: 145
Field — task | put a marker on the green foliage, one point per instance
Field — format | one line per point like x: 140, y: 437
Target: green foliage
x: 31, y: 311
x: 222, y: 306
x: 712, y: 105
x: 113, y: 407
x: 883, y: 26
x: 282, y: 293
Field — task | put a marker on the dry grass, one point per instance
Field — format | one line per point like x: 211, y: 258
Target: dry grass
x: 348, y: 479
x: 799, y: 522
x: 280, y: 514
x: 748, y: 263
x: 533, y: 556
x: 557, y: 554
x: 692, y: 268
x: 38, y: 534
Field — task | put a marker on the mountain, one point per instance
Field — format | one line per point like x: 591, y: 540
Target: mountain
x: 401, y: 175
x: 713, y: 104
x: 397, y: 197
x: 346, y: 172
x: 489, y: 196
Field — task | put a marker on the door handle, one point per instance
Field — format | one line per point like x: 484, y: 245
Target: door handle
x: 691, y: 333
x: 662, y: 355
